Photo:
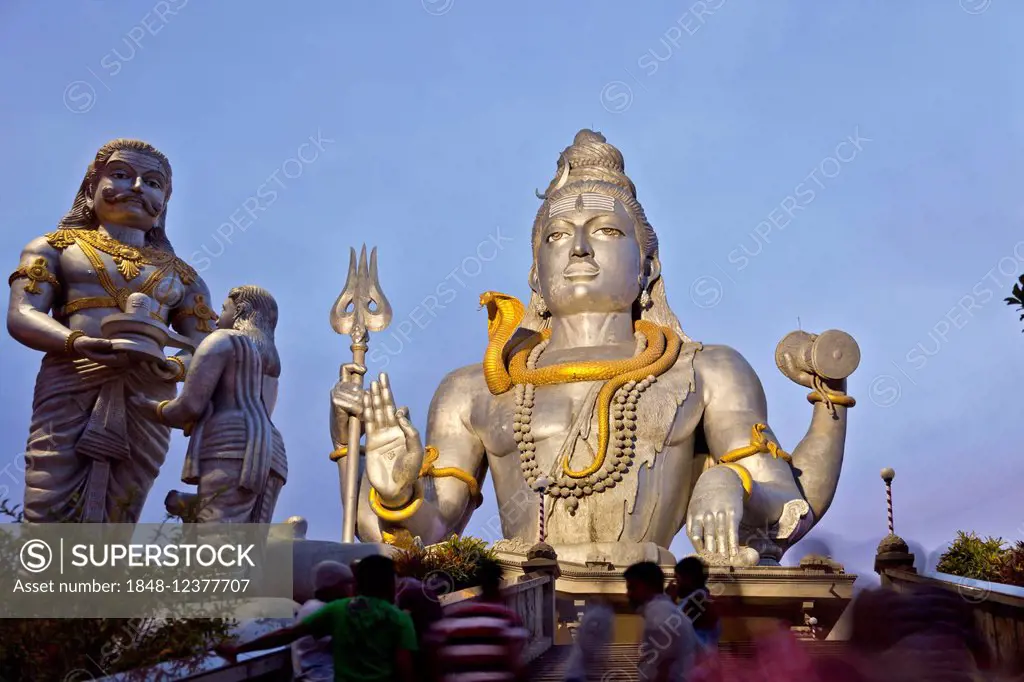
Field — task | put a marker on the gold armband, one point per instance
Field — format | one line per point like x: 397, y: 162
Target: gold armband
x: 397, y: 515
x: 180, y: 376
x: 431, y: 455
x: 69, y: 343
x: 201, y: 311
x: 35, y: 273
x: 745, y: 478
x: 758, y: 445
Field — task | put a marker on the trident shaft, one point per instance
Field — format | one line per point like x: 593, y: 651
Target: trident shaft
x: 361, y: 308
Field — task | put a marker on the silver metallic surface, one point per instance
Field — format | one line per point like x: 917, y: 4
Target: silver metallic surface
x: 90, y: 456
x: 831, y: 355
x: 236, y: 456
x: 595, y: 273
x: 361, y: 308
x: 140, y: 334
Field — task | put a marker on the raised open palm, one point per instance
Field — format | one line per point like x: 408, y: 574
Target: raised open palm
x: 394, y: 450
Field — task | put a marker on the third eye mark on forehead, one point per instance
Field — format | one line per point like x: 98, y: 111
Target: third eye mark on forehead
x: 582, y: 202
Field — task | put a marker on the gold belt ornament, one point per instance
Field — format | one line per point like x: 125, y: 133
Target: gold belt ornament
x: 90, y: 303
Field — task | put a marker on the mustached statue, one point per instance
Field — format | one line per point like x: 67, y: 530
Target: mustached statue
x: 90, y: 457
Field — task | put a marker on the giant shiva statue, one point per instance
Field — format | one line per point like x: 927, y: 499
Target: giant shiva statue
x: 594, y: 386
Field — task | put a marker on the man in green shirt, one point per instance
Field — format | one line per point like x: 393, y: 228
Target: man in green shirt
x: 371, y: 639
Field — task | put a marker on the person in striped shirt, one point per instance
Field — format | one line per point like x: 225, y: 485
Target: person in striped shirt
x: 480, y: 640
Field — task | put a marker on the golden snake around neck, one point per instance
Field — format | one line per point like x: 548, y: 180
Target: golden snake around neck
x: 504, y: 315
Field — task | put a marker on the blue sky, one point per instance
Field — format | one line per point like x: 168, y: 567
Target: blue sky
x: 434, y: 122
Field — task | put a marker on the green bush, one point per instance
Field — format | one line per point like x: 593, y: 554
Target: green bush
x: 969, y: 556
x: 457, y: 559
x: 1011, y: 570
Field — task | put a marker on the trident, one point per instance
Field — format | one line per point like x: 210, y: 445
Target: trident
x: 361, y: 308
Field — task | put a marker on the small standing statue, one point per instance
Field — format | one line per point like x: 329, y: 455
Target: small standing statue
x: 236, y: 456
x: 89, y: 457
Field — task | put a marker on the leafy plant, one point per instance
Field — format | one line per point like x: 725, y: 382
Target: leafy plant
x: 1011, y: 569
x: 970, y: 556
x: 457, y: 558
x: 1017, y: 299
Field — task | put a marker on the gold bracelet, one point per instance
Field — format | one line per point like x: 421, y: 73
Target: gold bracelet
x: 840, y: 399
x: 397, y: 515
x: 69, y: 343
x: 342, y: 451
x: 745, y: 478
x: 180, y: 376
x: 430, y: 456
x: 160, y: 412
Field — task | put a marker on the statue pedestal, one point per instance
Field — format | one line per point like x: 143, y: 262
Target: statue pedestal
x: 306, y: 554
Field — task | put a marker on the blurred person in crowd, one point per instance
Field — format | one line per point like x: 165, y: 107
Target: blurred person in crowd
x: 481, y: 639
x: 690, y: 591
x: 591, y: 641
x: 929, y: 633
x: 312, y: 660
x: 668, y: 645
x: 423, y: 604
x: 371, y: 638
x: 896, y: 637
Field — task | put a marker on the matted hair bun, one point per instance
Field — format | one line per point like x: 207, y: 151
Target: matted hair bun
x: 590, y: 157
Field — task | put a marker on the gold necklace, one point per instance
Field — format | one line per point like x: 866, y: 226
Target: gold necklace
x: 128, y: 259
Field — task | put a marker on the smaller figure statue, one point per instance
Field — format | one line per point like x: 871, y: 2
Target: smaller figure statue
x: 235, y: 454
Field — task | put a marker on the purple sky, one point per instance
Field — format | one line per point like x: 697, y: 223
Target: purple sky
x: 437, y: 121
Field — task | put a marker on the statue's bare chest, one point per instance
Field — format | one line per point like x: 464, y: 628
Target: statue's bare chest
x: 556, y: 416
x: 82, y: 272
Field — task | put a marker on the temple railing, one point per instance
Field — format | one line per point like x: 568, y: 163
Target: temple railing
x: 998, y: 609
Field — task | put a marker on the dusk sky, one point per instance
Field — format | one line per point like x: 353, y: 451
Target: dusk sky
x: 843, y: 165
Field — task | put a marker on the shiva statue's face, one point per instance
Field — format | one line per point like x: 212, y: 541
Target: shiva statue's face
x: 131, y: 190
x: 588, y: 258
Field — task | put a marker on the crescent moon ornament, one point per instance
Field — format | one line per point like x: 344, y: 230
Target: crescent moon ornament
x: 562, y: 179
